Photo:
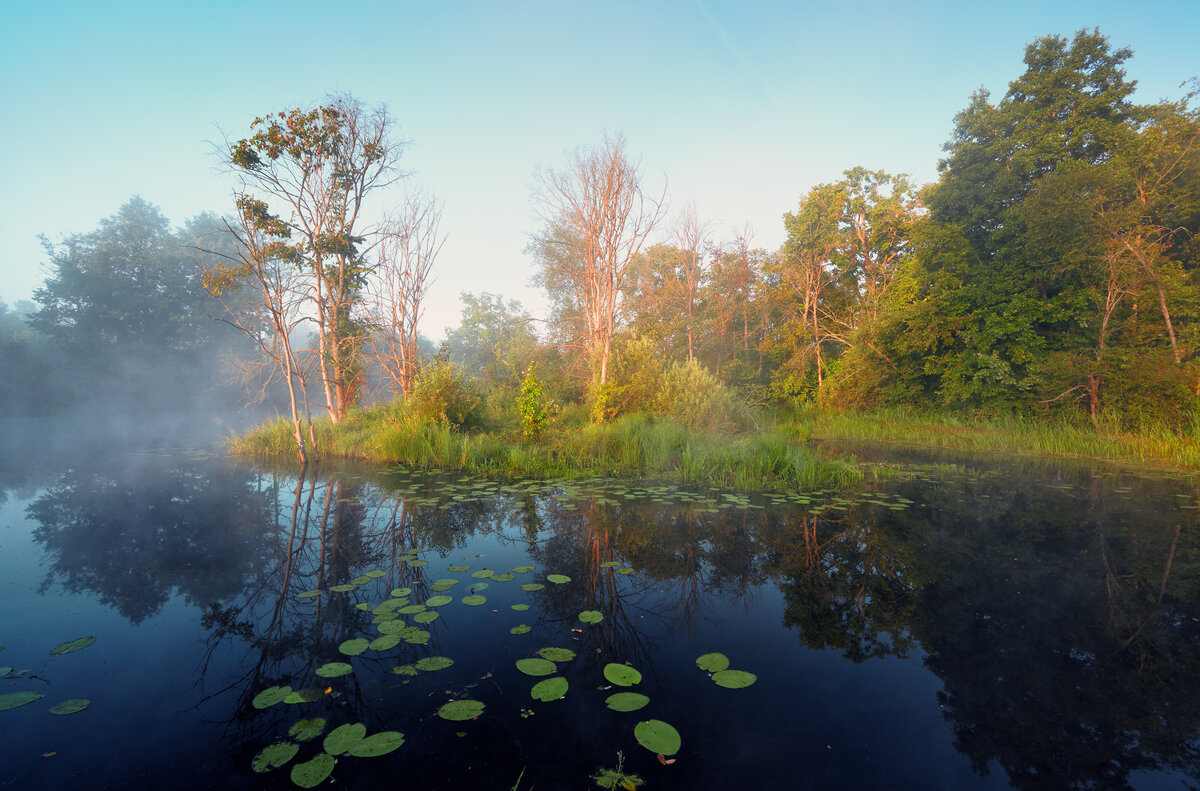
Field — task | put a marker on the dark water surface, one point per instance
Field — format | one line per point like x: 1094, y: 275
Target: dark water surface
x: 984, y: 623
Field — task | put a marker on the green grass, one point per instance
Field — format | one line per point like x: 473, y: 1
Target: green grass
x: 1110, y: 440
x: 633, y: 446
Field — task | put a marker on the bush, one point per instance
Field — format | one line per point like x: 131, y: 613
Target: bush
x: 441, y: 393
x: 531, y: 405
x: 693, y: 397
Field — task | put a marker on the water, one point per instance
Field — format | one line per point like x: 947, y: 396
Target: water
x: 979, y: 624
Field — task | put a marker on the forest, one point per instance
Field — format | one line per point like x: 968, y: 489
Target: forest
x: 1051, y: 276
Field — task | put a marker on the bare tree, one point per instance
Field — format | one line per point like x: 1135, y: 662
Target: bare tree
x: 409, y: 244
x: 597, y: 206
x: 693, y: 236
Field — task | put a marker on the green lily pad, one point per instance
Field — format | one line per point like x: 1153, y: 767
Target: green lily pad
x: 306, y: 695
x: 429, y: 616
x: 536, y: 666
x: 343, y: 588
x: 557, y: 654
x: 417, y: 637
x: 313, y: 771
x: 591, y: 616
x: 392, y: 627
x: 412, y: 608
x: 503, y: 577
x: 306, y: 595
x: 520, y: 607
x: 343, y: 737
x: 405, y: 670
x: 4, y: 671
x: 272, y: 757
x: 417, y: 564
x: 734, y: 679
x: 473, y: 600
x: 431, y: 663
x: 307, y: 730
x: 622, y: 675
x: 550, y: 689
x: 361, y: 580
x: 389, y: 606
x: 380, y: 743
x: 609, y: 564
x: 558, y: 579
x: 626, y: 701
x: 657, y: 737
x: 520, y: 628
x: 70, y: 706
x: 457, y: 710
x: 459, y: 568
x: 400, y: 593
x: 385, y: 642
x: 522, y: 569
x: 363, y: 605
x: 713, y: 662
x: 334, y: 670
x: 625, y: 570
x: 374, y: 574
x: 438, y: 601
x: 482, y: 573
x: 14, y: 699
x: 270, y: 696
x: 354, y: 647
x: 78, y: 644
x: 532, y: 586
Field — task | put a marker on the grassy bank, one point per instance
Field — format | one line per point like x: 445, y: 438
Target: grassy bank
x: 1111, y: 441
x: 633, y: 446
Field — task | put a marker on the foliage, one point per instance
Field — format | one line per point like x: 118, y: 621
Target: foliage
x: 441, y: 393
x: 531, y: 405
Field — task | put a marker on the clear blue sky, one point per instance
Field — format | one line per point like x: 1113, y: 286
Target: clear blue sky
x: 742, y: 106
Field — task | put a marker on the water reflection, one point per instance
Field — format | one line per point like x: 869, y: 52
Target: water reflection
x: 1059, y: 615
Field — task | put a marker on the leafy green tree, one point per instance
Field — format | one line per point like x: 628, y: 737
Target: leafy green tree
x: 531, y: 405
x: 494, y: 340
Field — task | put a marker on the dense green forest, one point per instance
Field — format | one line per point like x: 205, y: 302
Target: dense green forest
x: 1051, y: 272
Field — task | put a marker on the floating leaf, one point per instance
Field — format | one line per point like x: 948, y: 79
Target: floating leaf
x: 713, y: 662
x: 342, y: 588
x: 431, y: 663
x: 307, y: 730
x: 520, y: 607
x: 78, y: 644
x: 459, y: 568
x: 520, y: 629
x: 334, y: 670
x: 343, y: 737
x: 608, y: 564
x: 438, y: 601
x: 503, y: 577
x: 416, y: 637
x: 272, y: 757
x: 270, y: 696
x: 622, y: 675
x: 482, y: 573
x: 625, y: 570
x: 474, y: 600
x: 354, y: 647
x: 536, y: 666
x: 457, y: 710
x: 734, y: 679
x: 657, y: 737
x: 4, y: 671
x: 389, y: 606
x: 400, y: 593
x: 385, y: 642
x: 405, y: 670
x: 557, y: 654
x: 377, y: 744
x: 429, y: 616
x: 412, y: 608
x: 306, y: 695
x: 312, y: 771
x: 558, y: 579
x: 522, y: 569
x: 532, y: 586
x: 591, y: 616
x: 363, y: 605
x: 418, y: 563
x: 626, y: 701
x: 14, y: 699
x: 392, y: 627
x: 306, y: 595
x: 361, y: 580
x: 374, y: 574
x: 550, y: 689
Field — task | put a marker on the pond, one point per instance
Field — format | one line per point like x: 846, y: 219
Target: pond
x: 953, y: 623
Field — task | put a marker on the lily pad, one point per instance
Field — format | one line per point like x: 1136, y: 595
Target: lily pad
x: 306, y: 695
x: 626, y: 701
x: 417, y: 564
x: 334, y: 670
x: 503, y: 577
x: 625, y: 570
x: 520, y: 607
x: 734, y: 679
x: 343, y: 588
x: 380, y: 743
x: 591, y: 616
x: 431, y: 663
x: 412, y: 608
x: 558, y: 579
x: 363, y: 605
x: 306, y: 595
x: 657, y: 737
x: 482, y: 573
x: 521, y: 628
x: 429, y: 616
x: 272, y: 757
x: 609, y: 564
x: 549, y: 689
x: 392, y: 627
x: 354, y: 647
x: 361, y: 580
x: 343, y: 737
x: 374, y: 574
x: 713, y: 662
x: 416, y: 637
x: 307, y: 730
x: 400, y: 593
x: 78, y: 644
x: 313, y: 771
x: 14, y: 699
x: 622, y: 675
x: 385, y: 642
x: 438, y: 601
x: 474, y: 600
x: 532, y: 586
x: 457, y: 710
x: 270, y: 696
x: 557, y: 654
x: 70, y: 706
x: 458, y: 568
x: 536, y: 666
x: 522, y: 569
x: 405, y: 670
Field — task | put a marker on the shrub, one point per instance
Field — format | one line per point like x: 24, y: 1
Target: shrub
x: 531, y: 405
x: 441, y: 393
x: 693, y: 397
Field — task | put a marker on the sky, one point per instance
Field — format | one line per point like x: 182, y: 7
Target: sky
x: 738, y: 107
